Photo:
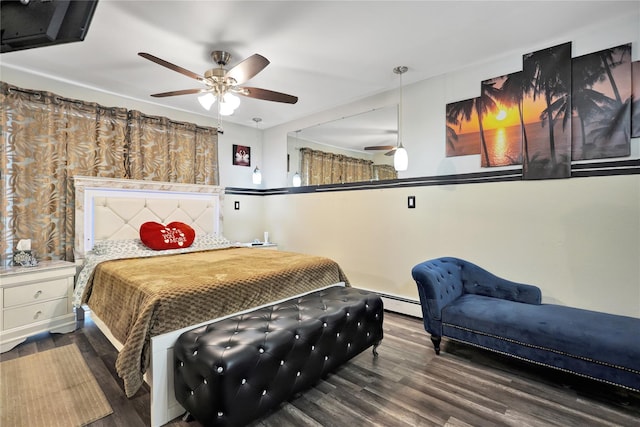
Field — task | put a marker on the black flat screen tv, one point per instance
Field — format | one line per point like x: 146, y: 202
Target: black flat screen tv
x: 27, y: 24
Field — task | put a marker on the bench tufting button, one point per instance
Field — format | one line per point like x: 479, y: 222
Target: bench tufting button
x: 195, y: 352
x: 326, y: 358
x: 204, y: 381
x: 313, y: 347
x: 220, y: 414
x: 324, y: 325
x: 297, y: 336
x: 219, y: 369
x: 261, y: 350
x: 338, y: 334
x: 244, y: 381
x: 264, y: 392
x: 298, y: 374
x: 281, y: 362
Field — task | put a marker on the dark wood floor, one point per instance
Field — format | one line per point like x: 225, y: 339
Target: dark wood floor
x: 407, y: 385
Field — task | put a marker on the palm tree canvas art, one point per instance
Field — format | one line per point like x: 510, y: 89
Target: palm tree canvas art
x: 601, y: 98
x: 635, y: 106
x: 502, y: 120
x: 547, y: 113
x: 463, y: 128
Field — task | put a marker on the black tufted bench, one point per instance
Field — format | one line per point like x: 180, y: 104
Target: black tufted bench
x: 231, y: 372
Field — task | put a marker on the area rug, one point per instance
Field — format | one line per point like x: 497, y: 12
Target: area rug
x: 50, y: 388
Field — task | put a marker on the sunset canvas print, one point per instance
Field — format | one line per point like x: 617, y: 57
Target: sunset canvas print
x: 547, y: 113
x: 601, y: 98
x: 635, y: 106
x: 463, y: 135
x: 501, y: 113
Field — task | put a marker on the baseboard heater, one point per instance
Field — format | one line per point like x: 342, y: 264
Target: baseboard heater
x: 401, y: 305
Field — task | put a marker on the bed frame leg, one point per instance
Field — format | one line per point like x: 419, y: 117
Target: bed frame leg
x: 436, y: 343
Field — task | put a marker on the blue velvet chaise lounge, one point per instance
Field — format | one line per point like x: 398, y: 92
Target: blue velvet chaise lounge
x: 466, y: 303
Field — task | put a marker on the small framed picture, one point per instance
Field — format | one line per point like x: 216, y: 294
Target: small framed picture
x: 241, y: 155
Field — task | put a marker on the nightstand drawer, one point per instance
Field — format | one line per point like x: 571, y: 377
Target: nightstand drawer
x: 26, y: 294
x: 26, y: 315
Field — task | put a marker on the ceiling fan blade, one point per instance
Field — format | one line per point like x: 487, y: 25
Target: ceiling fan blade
x: 179, y: 92
x: 171, y: 66
x: 381, y: 147
x: 268, y: 95
x: 391, y: 153
x: 247, y: 68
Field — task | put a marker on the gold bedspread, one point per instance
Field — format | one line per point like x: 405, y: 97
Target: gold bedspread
x: 142, y: 297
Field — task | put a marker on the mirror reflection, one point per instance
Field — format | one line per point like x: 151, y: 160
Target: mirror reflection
x: 350, y: 149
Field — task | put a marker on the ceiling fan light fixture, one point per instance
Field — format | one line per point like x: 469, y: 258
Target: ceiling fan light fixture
x: 207, y: 100
x: 228, y: 104
x: 231, y: 100
x: 224, y: 109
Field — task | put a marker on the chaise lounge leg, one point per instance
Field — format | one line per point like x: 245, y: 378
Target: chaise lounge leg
x: 436, y: 343
x: 375, y: 348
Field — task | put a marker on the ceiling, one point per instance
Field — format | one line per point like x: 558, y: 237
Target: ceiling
x: 328, y: 53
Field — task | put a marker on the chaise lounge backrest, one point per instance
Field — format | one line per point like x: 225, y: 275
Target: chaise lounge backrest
x: 442, y: 280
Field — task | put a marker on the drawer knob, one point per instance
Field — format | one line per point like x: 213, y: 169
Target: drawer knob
x: 37, y: 294
x: 38, y: 313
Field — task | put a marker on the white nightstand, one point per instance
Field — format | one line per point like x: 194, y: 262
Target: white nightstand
x: 272, y: 246
x: 35, y: 299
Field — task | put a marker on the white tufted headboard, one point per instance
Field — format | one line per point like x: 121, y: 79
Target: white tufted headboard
x: 114, y: 209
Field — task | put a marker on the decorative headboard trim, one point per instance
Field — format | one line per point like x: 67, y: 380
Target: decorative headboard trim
x: 88, y: 190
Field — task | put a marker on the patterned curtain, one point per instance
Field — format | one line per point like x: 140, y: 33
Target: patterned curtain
x: 46, y: 140
x: 319, y: 167
x: 163, y: 150
x: 383, y: 172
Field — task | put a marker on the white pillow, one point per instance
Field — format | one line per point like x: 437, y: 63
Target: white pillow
x: 206, y: 241
x: 108, y: 247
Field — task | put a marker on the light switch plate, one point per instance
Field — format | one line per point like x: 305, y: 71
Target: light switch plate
x: 411, y: 202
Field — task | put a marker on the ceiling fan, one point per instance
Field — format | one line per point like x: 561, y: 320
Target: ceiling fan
x: 392, y: 149
x: 220, y: 81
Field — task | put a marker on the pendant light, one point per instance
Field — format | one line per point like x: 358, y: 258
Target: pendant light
x: 297, y: 180
x: 400, y: 157
x: 257, y: 175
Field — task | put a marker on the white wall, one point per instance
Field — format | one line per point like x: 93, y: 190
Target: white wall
x: 578, y: 239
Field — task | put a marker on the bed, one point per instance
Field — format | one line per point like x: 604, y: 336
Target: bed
x: 142, y: 299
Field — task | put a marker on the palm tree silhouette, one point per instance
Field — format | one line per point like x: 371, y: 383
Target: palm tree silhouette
x: 455, y: 113
x: 550, y: 80
x: 609, y: 114
x: 463, y: 110
x: 511, y: 94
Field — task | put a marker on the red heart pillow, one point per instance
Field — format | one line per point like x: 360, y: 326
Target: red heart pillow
x: 174, y: 235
